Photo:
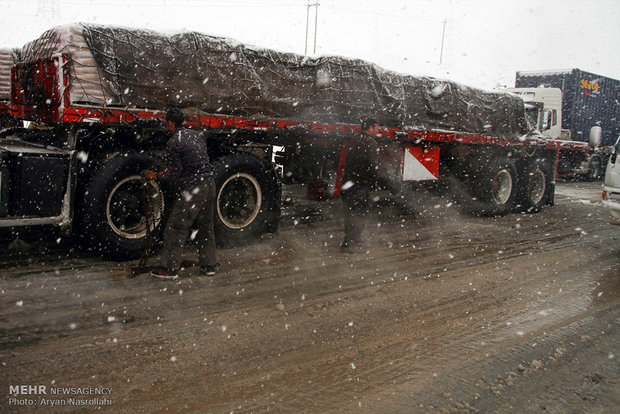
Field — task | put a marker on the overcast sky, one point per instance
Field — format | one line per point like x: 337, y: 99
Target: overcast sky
x: 485, y: 42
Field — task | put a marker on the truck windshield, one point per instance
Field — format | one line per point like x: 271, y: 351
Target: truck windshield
x: 531, y: 115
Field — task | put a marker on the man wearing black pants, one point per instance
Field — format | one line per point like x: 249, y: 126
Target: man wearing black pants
x: 362, y: 171
x: 194, y: 202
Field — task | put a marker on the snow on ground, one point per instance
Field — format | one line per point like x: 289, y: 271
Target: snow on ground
x: 588, y: 192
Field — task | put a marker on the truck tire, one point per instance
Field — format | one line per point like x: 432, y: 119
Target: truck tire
x: 535, y: 186
x: 113, y: 214
x: 247, y: 199
x: 494, y: 187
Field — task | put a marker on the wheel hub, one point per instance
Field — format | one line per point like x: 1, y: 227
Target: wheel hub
x: 239, y: 201
x: 126, y: 208
x: 502, y: 187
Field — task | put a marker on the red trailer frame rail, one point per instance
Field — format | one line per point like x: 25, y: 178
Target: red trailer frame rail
x: 120, y: 116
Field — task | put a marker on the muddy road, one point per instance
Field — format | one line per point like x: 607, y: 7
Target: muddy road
x: 446, y: 313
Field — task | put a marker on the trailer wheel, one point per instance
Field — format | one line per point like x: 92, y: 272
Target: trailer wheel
x: 494, y: 187
x: 247, y: 199
x: 535, y: 186
x: 113, y: 213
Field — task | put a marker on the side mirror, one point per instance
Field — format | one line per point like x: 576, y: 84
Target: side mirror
x: 596, y: 137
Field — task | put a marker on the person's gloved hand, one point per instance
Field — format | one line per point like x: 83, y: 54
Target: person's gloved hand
x: 150, y: 175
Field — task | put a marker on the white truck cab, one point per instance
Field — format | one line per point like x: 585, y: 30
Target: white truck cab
x: 543, y: 107
x: 611, y: 186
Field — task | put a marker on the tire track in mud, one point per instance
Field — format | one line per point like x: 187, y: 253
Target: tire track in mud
x: 395, y: 363
x: 385, y: 255
x: 326, y: 388
x: 479, y: 386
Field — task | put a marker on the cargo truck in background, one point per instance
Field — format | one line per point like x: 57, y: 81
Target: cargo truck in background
x: 95, y: 99
x: 577, y: 106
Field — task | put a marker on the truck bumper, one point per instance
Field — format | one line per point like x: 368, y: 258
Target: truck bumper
x: 611, y: 200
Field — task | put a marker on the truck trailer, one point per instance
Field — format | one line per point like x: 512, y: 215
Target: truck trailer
x: 575, y: 105
x: 95, y: 99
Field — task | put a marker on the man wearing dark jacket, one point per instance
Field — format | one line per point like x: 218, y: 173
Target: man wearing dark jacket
x: 362, y: 171
x: 194, y: 203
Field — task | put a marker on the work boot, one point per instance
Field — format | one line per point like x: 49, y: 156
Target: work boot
x: 164, y: 273
x: 349, y: 248
x: 209, y: 270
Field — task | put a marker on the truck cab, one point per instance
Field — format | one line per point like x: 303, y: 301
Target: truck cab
x: 543, y: 107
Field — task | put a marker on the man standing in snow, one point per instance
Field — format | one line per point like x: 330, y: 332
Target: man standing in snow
x: 362, y: 171
x: 194, y: 203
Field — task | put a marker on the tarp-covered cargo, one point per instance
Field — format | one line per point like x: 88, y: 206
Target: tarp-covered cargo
x: 142, y: 68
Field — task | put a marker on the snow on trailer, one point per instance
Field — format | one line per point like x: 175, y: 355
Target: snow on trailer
x: 102, y: 93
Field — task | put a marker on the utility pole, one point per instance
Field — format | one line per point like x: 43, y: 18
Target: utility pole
x: 443, y: 35
x: 316, y: 20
